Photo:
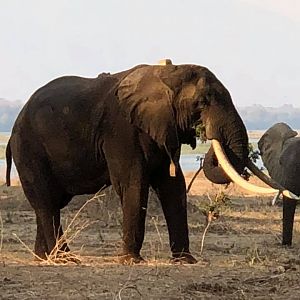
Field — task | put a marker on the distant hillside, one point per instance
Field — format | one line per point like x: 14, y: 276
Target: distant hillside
x: 255, y: 117
x: 258, y: 117
x: 8, y: 113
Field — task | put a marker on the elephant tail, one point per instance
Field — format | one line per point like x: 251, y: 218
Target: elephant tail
x: 8, y: 163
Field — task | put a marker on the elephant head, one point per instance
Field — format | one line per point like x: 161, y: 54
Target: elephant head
x: 280, y: 149
x: 272, y: 146
x: 168, y: 102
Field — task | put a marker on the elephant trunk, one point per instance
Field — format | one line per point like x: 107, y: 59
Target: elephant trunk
x: 232, y: 135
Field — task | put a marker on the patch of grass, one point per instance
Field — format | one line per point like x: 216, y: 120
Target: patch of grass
x: 200, y: 149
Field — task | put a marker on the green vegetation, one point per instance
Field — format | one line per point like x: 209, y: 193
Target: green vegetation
x: 200, y: 149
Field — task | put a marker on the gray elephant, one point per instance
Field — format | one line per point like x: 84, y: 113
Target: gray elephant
x: 76, y: 135
x: 280, y: 151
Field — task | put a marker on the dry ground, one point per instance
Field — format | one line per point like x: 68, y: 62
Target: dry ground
x: 242, y: 256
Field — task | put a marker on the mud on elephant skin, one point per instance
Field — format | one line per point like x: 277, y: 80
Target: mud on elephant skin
x: 76, y: 135
x: 280, y: 151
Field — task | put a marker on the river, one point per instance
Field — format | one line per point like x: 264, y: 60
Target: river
x: 188, y: 162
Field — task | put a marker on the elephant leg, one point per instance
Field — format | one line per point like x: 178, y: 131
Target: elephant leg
x: 134, y: 205
x: 46, y: 198
x: 49, y: 232
x: 40, y: 247
x: 289, y: 207
x: 171, y: 192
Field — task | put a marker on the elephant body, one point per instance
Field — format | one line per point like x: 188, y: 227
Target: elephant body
x: 76, y: 135
x: 280, y: 152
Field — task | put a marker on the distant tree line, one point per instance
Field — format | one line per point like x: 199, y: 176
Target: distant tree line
x: 258, y: 117
x: 255, y: 117
x: 9, y: 111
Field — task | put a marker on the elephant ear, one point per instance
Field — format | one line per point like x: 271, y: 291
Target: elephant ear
x: 290, y: 134
x: 147, y: 103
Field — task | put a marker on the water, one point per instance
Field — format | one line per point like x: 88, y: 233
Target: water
x: 188, y: 162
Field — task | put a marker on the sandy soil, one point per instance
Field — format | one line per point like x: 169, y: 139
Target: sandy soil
x: 242, y: 257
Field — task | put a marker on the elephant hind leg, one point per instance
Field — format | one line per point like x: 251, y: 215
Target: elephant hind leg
x: 46, y: 197
x: 48, y: 226
x: 40, y: 247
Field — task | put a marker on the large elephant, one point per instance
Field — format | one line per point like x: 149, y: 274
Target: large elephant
x: 76, y: 135
x: 280, y: 151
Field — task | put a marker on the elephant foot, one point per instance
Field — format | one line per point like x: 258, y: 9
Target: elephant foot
x: 287, y: 245
x: 40, y: 255
x: 130, y: 259
x: 183, y: 258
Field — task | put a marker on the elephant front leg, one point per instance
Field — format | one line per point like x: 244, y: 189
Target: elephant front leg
x: 171, y: 192
x: 134, y: 204
x: 289, y: 207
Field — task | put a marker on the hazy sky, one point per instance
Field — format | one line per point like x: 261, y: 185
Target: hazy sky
x: 253, y: 46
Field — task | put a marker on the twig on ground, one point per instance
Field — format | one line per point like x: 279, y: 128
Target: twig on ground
x: 195, y: 175
x: 26, y: 247
x: 131, y: 283
x: 158, y: 232
x: 58, y: 256
x: 209, y: 220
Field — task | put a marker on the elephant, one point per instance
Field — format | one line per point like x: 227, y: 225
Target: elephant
x: 280, y: 151
x: 77, y: 135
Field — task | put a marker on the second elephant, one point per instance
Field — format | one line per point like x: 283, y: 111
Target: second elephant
x: 280, y: 152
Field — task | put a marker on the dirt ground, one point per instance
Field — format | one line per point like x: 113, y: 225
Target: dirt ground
x: 241, y: 259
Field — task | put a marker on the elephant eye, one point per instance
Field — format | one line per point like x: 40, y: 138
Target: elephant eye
x: 203, y: 102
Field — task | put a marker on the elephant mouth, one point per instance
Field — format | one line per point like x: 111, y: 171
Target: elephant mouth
x: 275, y: 188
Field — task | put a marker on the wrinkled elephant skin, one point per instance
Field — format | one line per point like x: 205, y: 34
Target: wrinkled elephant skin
x: 280, y: 151
x: 76, y: 135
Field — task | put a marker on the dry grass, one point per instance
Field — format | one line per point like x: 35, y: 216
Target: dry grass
x: 73, y: 229
x: 1, y: 232
x: 241, y: 259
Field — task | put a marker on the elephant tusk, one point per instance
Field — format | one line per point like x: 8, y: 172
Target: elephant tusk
x: 262, y: 176
x: 270, y: 181
x: 235, y: 177
x: 172, y: 169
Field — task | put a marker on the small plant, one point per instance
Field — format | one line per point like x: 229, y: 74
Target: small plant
x: 200, y: 132
x: 253, y: 255
x: 212, y: 212
x: 9, y: 217
x: 73, y: 229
